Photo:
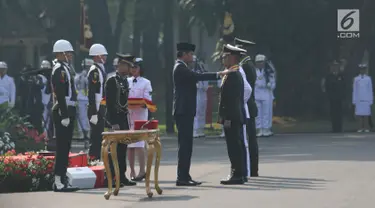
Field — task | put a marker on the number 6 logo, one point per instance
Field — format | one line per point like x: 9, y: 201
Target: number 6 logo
x: 347, y: 20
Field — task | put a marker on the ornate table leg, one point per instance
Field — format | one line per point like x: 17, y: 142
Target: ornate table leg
x: 157, y: 165
x: 150, y: 158
x: 105, y: 145
x: 116, y: 167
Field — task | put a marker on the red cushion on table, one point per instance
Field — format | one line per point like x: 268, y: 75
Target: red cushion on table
x: 99, y: 172
x: 154, y: 124
x: 77, y: 160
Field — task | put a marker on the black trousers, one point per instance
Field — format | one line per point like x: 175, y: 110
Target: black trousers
x: 96, y: 134
x: 184, y: 125
x: 64, y: 136
x: 336, y: 114
x: 253, y: 146
x: 235, y: 148
x: 121, y: 150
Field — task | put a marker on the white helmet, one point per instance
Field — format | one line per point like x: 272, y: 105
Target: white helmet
x: 62, y: 46
x: 97, y: 50
x: 45, y: 65
x: 3, y: 65
x: 115, y: 62
x: 87, y: 62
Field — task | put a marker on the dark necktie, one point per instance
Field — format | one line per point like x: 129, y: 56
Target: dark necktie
x: 134, y: 80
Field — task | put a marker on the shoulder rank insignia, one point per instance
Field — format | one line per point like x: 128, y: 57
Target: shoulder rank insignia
x: 95, y: 78
x: 62, y: 80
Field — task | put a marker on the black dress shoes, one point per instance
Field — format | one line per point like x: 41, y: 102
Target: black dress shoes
x: 187, y: 183
x: 245, y: 179
x: 233, y: 180
x: 127, y: 182
x: 139, y: 178
x: 66, y: 188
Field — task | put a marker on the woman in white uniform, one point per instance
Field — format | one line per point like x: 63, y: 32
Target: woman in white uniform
x: 140, y: 87
x: 362, y: 98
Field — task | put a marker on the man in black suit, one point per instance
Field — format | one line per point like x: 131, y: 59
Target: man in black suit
x: 251, y: 77
x: 185, y: 99
x: 232, y: 114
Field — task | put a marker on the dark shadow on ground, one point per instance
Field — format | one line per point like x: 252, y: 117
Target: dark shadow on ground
x: 285, y: 148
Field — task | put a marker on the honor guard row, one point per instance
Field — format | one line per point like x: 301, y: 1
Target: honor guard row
x: 107, y: 104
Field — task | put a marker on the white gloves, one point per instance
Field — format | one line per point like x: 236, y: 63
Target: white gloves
x: 94, y: 119
x: 269, y: 85
x: 65, y: 122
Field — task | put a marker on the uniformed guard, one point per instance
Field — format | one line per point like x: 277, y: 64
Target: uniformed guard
x: 363, y: 98
x: 7, y: 87
x: 251, y: 76
x: 117, y: 92
x: 140, y: 87
x: 232, y: 112
x: 202, y: 86
x: 264, y: 86
x: 82, y: 89
x: 63, y: 111
x: 185, y: 103
x: 247, y: 93
x: 96, y: 110
x: 45, y: 76
x: 334, y: 86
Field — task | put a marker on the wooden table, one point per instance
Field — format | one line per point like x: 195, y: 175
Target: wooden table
x: 110, y: 141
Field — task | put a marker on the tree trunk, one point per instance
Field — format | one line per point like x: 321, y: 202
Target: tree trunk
x: 169, y: 60
x: 118, y: 29
x: 137, y: 29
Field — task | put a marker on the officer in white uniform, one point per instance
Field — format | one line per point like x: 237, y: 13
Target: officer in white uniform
x: 264, y: 86
x: 363, y: 98
x: 82, y: 87
x: 7, y: 87
x: 140, y: 87
x: 202, y: 86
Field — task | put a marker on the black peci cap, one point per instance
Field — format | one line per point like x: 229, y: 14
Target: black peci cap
x: 185, y: 47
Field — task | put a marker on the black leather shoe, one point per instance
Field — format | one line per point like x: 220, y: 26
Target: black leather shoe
x: 139, y: 178
x: 65, y: 189
x: 187, y: 183
x: 245, y: 179
x: 232, y: 181
x: 127, y: 182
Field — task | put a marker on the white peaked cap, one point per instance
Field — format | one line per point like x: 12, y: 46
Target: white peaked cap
x: 260, y: 57
x: 228, y: 48
x: 3, y: 65
x: 62, y: 46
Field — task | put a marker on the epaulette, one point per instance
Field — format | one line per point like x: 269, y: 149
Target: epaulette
x: 92, y: 68
x: 235, y: 67
x: 56, y: 66
x: 246, y: 59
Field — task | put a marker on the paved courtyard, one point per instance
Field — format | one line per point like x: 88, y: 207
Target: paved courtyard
x: 297, y: 171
